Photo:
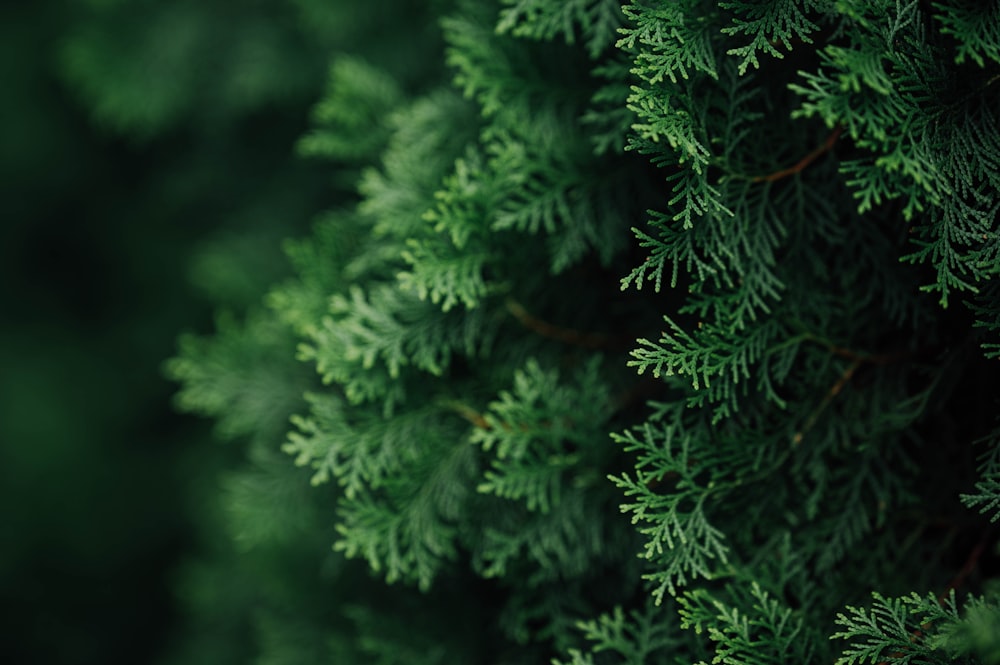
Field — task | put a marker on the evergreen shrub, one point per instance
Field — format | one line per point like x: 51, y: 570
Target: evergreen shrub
x: 643, y: 332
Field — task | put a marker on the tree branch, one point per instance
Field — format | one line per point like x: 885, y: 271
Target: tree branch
x: 805, y: 161
x: 589, y: 340
x: 829, y: 397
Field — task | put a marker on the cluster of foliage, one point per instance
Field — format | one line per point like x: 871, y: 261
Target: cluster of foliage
x: 126, y: 141
x: 638, y: 333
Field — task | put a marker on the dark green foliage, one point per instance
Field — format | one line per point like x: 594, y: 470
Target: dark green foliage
x: 987, y: 496
x: 753, y: 197
x: 146, y: 67
x: 915, y: 629
x: 101, y: 478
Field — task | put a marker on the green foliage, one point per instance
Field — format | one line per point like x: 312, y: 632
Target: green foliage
x: 771, y: 24
x: 916, y: 629
x: 749, y: 627
x: 642, y: 637
x: 598, y: 20
x: 539, y: 434
x: 679, y: 535
x: 974, y: 633
x: 926, y: 133
x: 987, y: 495
x: 975, y: 30
x: 145, y: 67
x: 790, y: 430
x: 350, y: 121
x: 240, y: 376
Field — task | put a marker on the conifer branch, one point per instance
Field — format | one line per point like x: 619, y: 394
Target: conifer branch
x: 711, y: 459
x: 801, y: 165
x: 956, y: 582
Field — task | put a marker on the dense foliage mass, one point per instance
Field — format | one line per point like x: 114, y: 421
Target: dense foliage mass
x: 655, y: 332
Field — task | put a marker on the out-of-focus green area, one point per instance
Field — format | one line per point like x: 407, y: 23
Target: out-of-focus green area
x: 148, y: 174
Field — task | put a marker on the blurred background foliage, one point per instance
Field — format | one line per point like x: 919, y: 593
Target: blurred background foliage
x: 150, y: 176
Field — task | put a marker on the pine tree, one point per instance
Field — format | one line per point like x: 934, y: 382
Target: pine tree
x: 663, y: 332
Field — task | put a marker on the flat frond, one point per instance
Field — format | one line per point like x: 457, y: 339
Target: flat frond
x: 596, y: 21
x: 768, y: 25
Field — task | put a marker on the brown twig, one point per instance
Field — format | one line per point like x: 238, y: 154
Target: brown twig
x: 967, y: 569
x: 857, y: 360
x: 800, y: 166
x: 479, y: 421
x: 832, y: 393
x: 871, y: 359
x: 468, y: 413
x: 589, y: 340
